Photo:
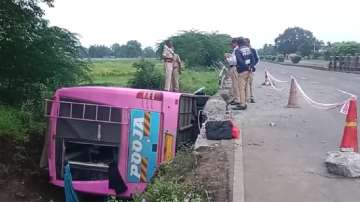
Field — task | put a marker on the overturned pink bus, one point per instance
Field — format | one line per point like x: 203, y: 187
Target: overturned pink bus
x: 115, y: 138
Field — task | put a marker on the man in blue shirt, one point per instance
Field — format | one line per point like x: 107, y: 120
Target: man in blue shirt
x: 245, y: 61
x: 253, y: 69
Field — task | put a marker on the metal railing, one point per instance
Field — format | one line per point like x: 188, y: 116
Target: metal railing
x: 344, y: 63
x: 80, y: 111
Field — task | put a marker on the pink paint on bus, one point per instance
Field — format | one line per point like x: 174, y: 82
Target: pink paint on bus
x: 89, y: 126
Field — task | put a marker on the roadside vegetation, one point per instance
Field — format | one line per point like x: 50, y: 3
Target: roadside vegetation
x: 174, y: 181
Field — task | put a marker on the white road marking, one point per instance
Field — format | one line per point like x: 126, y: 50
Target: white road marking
x: 347, y: 93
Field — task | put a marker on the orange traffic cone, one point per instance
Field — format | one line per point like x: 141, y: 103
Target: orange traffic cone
x: 267, y: 81
x: 293, y: 96
x: 349, y: 140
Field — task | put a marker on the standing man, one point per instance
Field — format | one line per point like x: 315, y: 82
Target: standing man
x: 252, y: 70
x: 245, y: 61
x: 168, y: 56
x: 231, y: 60
x: 176, y: 73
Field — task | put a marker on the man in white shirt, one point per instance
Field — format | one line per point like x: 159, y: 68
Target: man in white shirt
x: 231, y: 60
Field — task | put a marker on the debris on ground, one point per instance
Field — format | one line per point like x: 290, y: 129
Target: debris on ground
x: 272, y: 124
x: 254, y: 144
x: 345, y: 164
x: 202, y: 143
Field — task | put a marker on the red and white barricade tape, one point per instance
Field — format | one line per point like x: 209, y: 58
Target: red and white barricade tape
x: 273, y: 86
x: 320, y: 105
x: 275, y: 79
x: 326, y: 106
x: 272, y: 79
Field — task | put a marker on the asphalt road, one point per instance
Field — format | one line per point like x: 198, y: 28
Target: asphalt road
x: 285, y: 162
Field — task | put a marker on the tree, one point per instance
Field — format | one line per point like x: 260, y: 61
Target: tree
x: 118, y: 51
x: 99, y: 51
x: 199, y: 48
x: 149, y: 52
x: 133, y: 49
x: 306, y: 48
x: 343, y: 48
x: 84, y: 52
x: 35, y: 58
x: 268, y: 49
x: 295, y: 40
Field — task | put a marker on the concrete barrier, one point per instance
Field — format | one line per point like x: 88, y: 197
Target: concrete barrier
x: 344, y: 63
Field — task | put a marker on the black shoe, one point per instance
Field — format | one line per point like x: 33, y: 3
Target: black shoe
x: 236, y: 108
x: 252, y: 100
x: 239, y: 107
x: 235, y: 103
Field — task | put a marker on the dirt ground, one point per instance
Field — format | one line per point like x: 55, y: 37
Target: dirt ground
x: 214, y: 170
x: 21, y: 178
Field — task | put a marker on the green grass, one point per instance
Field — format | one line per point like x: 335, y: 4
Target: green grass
x: 118, y: 72
x: 18, y: 124
x: 191, y: 80
x: 112, y: 72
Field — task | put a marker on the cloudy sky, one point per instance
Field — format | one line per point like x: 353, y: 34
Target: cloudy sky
x: 150, y: 21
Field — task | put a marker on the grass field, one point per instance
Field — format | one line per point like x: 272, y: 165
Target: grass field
x: 117, y: 72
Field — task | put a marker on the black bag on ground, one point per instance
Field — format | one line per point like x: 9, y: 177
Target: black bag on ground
x: 218, y: 130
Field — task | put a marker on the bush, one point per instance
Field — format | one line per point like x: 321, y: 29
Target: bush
x: 199, y: 49
x: 295, y: 58
x: 18, y: 124
x: 273, y: 58
x: 146, y: 76
x: 280, y: 58
x: 11, y: 123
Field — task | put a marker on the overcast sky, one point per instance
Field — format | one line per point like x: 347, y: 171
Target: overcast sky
x: 150, y: 21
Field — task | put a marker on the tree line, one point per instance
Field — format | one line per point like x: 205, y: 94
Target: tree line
x: 297, y: 40
x: 196, y: 48
x: 132, y: 49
